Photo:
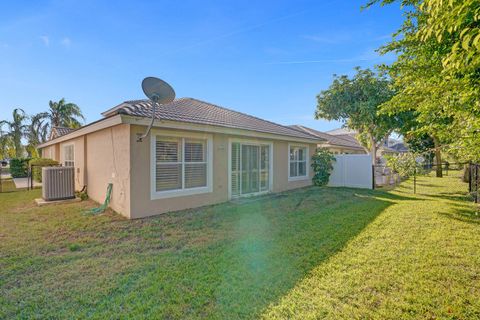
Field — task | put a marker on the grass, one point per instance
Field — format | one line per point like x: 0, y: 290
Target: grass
x: 314, y: 252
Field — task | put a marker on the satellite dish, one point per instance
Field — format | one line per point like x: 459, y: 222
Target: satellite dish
x: 159, y: 92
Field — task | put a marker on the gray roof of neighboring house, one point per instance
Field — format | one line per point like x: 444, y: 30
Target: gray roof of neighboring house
x: 341, y: 131
x: 199, y: 112
x: 399, y: 147
x: 59, y: 131
x: 337, y: 140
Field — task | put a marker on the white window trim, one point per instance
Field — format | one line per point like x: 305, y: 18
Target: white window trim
x: 307, y: 171
x: 62, y: 153
x: 154, y: 194
x: 254, y: 143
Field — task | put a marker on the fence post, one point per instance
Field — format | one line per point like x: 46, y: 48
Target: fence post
x: 415, y: 180
x: 373, y: 177
x: 476, y: 182
x: 470, y: 176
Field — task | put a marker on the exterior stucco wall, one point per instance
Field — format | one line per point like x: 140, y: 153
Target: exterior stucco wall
x: 79, y: 159
x: 113, y: 155
x: 143, y: 206
x: 49, y: 153
x: 280, y: 167
x: 101, y: 157
x: 108, y: 161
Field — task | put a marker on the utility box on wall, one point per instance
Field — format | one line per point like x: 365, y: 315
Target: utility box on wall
x: 58, y: 183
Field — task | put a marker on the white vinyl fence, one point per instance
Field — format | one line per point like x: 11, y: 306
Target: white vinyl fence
x: 352, y: 170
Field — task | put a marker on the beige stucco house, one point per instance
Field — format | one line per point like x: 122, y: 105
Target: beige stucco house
x: 196, y: 154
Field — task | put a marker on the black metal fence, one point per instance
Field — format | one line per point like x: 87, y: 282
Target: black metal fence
x: 383, y: 176
x: 32, y: 169
x: 474, y: 180
x: 7, y: 184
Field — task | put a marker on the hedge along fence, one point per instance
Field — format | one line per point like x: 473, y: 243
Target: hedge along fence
x: 19, y: 167
x: 37, y: 164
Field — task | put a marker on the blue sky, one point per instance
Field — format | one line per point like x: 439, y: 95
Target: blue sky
x: 269, y: 59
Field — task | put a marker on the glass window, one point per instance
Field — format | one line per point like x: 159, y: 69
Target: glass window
x: 69, y: 156
x: 180, y: 164
x: 298, y: 162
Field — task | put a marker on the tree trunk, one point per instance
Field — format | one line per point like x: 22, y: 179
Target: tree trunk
x: 373, y: 150
x: 438, y: 157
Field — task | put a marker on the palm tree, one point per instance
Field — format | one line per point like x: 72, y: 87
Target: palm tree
x: 4, y: 140
x: 63, y: 114
x: 16, y: 130
x: 37, y: 131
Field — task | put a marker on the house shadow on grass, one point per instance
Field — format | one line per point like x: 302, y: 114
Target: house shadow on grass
x: 260, y: 249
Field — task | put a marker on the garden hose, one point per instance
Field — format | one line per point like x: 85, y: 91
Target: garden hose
x: 104, y: 206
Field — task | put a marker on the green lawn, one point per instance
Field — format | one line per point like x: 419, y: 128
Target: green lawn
x: 314, y: 252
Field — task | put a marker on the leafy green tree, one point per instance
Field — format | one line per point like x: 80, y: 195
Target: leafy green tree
x: 421, y: 144
x: 356, y: 102
x: 63, y: 114
x: 437, y: 73
x: 16, y: 130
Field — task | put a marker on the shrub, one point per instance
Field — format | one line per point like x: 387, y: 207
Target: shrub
x: 322, y: 164
x: 82, y: 195
x: 19, y: 167
x: 39, y: 163
x: 405, y: 164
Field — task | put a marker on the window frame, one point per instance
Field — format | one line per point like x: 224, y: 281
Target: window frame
x: 63, y: 147
x: 307, y: 162
x: 183, y: 136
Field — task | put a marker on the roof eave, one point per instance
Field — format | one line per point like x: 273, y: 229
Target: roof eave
x: 184, y: 125
x: 91, y: 127
x: 113, y: 110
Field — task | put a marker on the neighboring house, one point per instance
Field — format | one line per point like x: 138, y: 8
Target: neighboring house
x: 351, y: 135
x: 196, y: 154
x: 344, y: 144
x: 59, y: 131
x: 399, y: 147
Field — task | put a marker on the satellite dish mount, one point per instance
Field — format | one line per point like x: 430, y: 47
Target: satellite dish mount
x: 159, y: 92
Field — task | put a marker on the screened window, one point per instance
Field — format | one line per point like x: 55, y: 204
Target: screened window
x: 181, y: 163
x: 69, y: 156
x: 298, y: 162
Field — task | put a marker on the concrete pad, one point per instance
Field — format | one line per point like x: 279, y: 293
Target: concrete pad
x: 41, y: 202
x: 22, y: 183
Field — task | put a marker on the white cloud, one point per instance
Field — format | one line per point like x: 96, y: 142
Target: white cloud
x: 45, y: 40
x: 66, y: 42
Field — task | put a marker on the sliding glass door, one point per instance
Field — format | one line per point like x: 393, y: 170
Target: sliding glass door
x: 250, y: 168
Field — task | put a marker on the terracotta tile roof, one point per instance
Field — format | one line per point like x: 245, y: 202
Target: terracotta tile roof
x: 59, y: 131
x: 344, y: 140
x: 199, y: 112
